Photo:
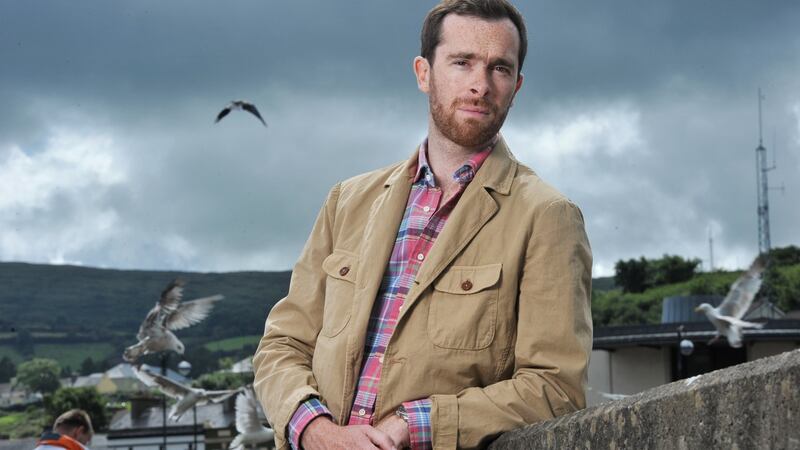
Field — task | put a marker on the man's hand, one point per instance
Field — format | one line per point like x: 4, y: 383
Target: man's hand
x: 323, y: 434
x: 397, y: 429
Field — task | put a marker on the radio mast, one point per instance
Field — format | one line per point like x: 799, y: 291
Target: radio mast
x: 764, y: 243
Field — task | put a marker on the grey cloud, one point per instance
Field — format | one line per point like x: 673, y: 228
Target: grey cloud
x: 334, y: 83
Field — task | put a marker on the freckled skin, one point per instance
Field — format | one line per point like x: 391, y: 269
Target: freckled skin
x: 471, y: 84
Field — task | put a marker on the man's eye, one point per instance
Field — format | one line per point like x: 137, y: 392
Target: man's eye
x: 460, y: 62
x: 503, y: 69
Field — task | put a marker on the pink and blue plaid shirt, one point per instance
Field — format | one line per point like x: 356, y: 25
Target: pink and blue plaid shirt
x: 423, y: 220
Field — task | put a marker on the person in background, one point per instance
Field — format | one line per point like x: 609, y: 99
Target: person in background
x: 71, y: 430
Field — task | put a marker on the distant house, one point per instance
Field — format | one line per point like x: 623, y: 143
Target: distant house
x: 13, y: 395
x: 119, y: 379
x: 632, y: 358
x: 141, y: 428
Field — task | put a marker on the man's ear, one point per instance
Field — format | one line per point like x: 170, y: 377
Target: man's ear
x: 422, y: 70
x: 516, y: 89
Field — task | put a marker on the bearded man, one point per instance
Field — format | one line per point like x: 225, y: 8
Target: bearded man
x: 443, y: 300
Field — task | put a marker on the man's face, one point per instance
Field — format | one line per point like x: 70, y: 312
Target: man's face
x: 473, y: 78
x: 82, y: 435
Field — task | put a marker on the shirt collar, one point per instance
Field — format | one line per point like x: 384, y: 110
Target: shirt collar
x: 463, y: 174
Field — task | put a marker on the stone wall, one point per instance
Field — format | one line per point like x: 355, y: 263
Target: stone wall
x: 750, y: 406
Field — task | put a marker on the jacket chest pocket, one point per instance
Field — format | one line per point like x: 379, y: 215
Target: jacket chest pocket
x: 341, y: 268
x: 463, y: 307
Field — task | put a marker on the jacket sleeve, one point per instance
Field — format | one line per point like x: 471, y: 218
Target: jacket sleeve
x: 554, y: 340
x: 282, y: 362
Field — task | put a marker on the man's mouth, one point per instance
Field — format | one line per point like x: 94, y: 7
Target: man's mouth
x: 474, y: 111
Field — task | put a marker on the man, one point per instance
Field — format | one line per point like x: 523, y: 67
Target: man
x: 71, y: 430
x: 444, y: 300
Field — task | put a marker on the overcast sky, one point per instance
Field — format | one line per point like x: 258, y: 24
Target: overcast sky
x: 643, y: 113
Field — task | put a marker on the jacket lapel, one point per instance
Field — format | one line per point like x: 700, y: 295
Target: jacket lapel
x: 473, y: 210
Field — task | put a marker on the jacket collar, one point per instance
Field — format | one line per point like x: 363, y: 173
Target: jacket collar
x: 496, y: 173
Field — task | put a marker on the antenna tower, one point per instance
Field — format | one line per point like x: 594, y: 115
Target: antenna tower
x: 762, y: 169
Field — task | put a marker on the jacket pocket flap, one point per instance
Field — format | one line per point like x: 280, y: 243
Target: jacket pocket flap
x: 468, y: 279
x: 342, y: 265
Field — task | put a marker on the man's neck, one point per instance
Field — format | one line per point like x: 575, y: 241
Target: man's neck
x: 445, y: 157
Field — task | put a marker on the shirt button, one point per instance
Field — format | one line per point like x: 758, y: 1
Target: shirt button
x: 420, y: 257
x: 426, y: 208
x: 380, y: 358
x: 361, y: 412
x: 467, y: 285
x: 344, y: 270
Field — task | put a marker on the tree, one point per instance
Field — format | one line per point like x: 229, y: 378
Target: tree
x: 631, y: 275
x: 671, y: 269
x: 785, y: 256
x: 39, y: 375
x: 7, y: 369
x: 87, y: 366
x: 223, y: 380
x: 85, y: 398
x: 639, y: 275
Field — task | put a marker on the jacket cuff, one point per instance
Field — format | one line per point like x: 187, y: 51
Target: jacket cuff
x: 444, y: 421
x: 306, y: 412
x: 419, y: 423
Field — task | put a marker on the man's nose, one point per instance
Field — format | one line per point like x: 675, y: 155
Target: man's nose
x: 480, y: 83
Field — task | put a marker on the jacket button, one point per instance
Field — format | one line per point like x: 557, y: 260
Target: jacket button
x: 344, y: 270
x: 467, y: 285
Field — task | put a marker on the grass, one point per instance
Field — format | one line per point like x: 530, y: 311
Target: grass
x: 22, y: 424
x: 12, y: 353
x: 235, y: 343
x: 72, y: 355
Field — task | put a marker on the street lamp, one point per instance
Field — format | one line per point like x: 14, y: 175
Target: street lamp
x: 185, y: 368
x: 685, y: 348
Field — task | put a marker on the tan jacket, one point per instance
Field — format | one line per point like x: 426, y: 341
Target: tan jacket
x: 509, y: 348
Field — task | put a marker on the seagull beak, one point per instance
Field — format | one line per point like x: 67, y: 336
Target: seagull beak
x: 698, y: 309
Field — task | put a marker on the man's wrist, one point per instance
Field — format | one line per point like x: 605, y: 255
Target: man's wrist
x: 319, y: 426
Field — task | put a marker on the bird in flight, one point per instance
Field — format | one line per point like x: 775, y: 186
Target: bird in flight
x: 155, y: 333
x: 248, y: 422
x: 240, y: 105
x: 186, y: 396
x: 727, y: 317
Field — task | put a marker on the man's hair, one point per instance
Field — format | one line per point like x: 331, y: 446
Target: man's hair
x: 73, y: 419
x: 483, y: 9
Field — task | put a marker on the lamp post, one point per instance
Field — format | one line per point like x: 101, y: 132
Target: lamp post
x: 685, y: 348
x: 185, y: 368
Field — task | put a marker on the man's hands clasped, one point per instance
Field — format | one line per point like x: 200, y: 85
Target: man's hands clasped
x: 322, y: 434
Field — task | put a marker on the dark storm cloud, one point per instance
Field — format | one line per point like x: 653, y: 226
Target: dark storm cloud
x: 644, y: 113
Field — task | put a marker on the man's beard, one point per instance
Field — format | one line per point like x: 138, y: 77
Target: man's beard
x: 471, y: 132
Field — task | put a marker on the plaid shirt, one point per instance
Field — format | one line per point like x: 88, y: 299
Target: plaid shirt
x: 423, y: 220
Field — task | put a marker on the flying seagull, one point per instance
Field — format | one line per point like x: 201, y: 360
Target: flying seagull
x: 240, y: 105
x: 169, y: 314
x: 248, y: 424
x: 727, y: 317
x: 187, y: 396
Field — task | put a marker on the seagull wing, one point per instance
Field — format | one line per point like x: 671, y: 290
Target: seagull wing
x: 164, y: 384
x: 149, y: 322
x: 225, y: 111
x: 220, y: 396
x: 246, y: 415
x: 251, y: 108
x: 190, y: 313
x: 742, y: 292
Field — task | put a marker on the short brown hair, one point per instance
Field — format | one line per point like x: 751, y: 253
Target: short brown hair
x: 483, y: 9
x: 72, y: 419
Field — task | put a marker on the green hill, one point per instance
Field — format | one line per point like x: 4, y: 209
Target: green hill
x: 48, y: 310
